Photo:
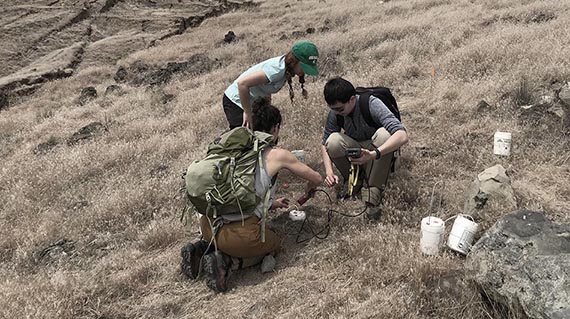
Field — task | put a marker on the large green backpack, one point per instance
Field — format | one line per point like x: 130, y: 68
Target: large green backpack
x: 224, y: 181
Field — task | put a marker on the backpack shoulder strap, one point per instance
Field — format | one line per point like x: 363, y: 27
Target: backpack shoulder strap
x: 364, y: 106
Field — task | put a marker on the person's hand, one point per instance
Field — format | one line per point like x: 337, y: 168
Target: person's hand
x: 282, y: 202
x: 365, y: 157
x: 331, y: 180
x: 247, y: 120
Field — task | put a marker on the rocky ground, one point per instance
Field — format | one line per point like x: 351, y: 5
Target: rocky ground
x: 45, y: 40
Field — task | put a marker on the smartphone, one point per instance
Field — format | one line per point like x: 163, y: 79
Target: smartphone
x: 353, y: 152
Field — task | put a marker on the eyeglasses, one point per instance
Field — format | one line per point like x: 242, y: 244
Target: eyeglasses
x: 337, y: 109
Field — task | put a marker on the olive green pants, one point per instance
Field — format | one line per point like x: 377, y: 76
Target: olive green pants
x: 377, y: 170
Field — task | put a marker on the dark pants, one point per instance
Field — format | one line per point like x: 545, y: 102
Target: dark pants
x: 234, y: 113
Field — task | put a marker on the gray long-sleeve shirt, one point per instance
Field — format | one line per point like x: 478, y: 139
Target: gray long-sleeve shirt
x: 356, y: 127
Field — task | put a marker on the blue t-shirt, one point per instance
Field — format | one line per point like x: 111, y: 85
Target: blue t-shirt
x: 274, y: 70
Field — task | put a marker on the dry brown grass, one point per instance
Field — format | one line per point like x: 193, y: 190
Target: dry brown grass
x: 108, y: 208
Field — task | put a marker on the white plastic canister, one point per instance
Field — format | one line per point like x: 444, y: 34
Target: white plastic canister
x: 502, y: 143
x: 462, y: 234
x: 432, y: 235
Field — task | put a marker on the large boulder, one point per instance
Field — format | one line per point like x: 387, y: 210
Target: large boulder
x: 493, y: 184
x: 523, y: 263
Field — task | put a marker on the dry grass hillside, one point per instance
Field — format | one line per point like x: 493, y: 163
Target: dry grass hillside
x: 89, y: 221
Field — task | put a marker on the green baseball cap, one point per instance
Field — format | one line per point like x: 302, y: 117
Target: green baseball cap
x: 306, y: 52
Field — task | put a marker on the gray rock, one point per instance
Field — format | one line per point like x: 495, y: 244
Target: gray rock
x: 45, y: 147
x: 491, y: 184
x: 523, y: 263
x: 87, y: 132
x: 87, y: 95
x: 113, y: 89
x: 483, y: 106
x: 268, y: 264
x: 121, y: 75
x: 4, y: 101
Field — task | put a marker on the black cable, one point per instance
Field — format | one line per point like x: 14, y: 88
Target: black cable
x: 326, y: 229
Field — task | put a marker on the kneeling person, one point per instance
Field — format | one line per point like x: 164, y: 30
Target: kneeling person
x: 238, y: 242
x: 377, y: 143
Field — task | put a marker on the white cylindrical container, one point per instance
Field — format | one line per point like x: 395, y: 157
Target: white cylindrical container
x: 502, y: 143
x: 432, y: 235
x: 462, y: 234
x: 300, y: 154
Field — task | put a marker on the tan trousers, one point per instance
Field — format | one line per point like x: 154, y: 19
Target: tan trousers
x: 377, y: 170
x: 242, y: 241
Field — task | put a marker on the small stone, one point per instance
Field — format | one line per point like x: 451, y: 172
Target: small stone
x: 230, y: 37
x: 113, y: 89
x: 310, y: 30
x: 482, y: 106
x: 165, y: 98
x: 45, y: 147
x: 87, y: 94
x: 268, y: 264
x: 121, y: 75
x: 298, y: 34
x: 87, y: 132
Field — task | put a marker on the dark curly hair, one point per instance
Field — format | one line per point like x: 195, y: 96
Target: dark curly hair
x: 265, y: 116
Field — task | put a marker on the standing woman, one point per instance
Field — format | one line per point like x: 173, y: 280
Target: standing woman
x: 266, y: 78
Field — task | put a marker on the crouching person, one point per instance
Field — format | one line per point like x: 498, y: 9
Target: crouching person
x: 360, y: 132
x: 238, y: 239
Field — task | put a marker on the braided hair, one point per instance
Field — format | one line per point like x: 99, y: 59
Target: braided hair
x: 290, y: 59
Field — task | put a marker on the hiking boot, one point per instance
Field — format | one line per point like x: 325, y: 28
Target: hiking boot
x: 217, y: 267
x: 373, y: 213
x: 191, y: 256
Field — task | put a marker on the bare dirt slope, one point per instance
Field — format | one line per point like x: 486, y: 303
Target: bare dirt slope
x: 105, y: 103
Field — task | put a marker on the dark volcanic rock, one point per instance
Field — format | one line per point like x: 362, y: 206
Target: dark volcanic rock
x: 87, y: 95
x: 120, y: 75
x: 140, y: 73
x: 523, y: 263
x: 87, y: 132
x: 46, y: 146
x: 4, y: 101
x: 113, y: 89
x: 298, y: 34
x: 230, y: 37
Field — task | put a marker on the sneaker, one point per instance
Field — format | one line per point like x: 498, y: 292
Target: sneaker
x: 217, y: 267
x: 191, y: 255
x: 373, y: 213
